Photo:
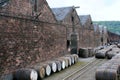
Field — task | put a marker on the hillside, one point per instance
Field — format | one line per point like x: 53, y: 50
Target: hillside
x: 113, y: 26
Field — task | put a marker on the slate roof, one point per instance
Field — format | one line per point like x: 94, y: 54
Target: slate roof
x: 2, y: 2
x: 84, y: 18
x: 61, y: 13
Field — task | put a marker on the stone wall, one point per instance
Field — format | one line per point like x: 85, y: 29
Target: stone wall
x: 97, y: 39
x: 77, y: 25
x: 25, y: 8
x: 24, y: 42
x: 112, y: 37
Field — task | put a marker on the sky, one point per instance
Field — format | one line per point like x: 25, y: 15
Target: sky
x: 100, y: 10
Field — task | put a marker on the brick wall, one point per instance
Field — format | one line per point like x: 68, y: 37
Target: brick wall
x: 25, y: 42
x: 97, y: 38
x: 81, y: 37
x: 112, y: 37
x: 26, y: 9
x: 26, y: 39
x: 69, y: 25
x: 23, y: 7
x: 88, y: 34
x: 105, y: 36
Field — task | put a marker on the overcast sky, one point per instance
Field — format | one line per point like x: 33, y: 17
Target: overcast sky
x: 100, y: 10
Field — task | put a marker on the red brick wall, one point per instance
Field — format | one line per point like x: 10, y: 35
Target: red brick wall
x: 81, y: 37
x: 92, y: 38
x: 26, y: 42
x: 97, y: 38
x: 26, y: 8
x: 23, y: 7
x: 69, y: 25
x: 88, y: 34
x: 112, y: 37
x: 46, y: 12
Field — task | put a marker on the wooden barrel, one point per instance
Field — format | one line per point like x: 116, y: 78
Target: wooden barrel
x: 25, y: 74
x: 110, y: 54
x: 41, y: 71
x: 75, y: 57
x: 99, y: 74
x: 115, y: 64
x: 117, y: 50
x: 111, y: 74
x: 115, y: 67
x: 83, y: 52
x: 53, y: 65
x: 118, y: 45
x: 66, y: 61
x: 100, y: 54
x: 59, y: 65
x: 72, y: 58
x: 62, y: 62
x: 47, y: 68
x: 117, y: 56
x: 109, y: 70
x: 106, y: 74
x: 91, y: 52
x: 69, y: 60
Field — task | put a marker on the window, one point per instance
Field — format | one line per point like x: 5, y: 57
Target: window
x: 35, y: 5
x: 68, y: 44
x: 72, y: 18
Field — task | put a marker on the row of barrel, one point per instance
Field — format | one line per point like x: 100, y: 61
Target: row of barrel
x: 107, y: 51
x: 41, y: 70
x: 86, y: 52
x: 109, y: 70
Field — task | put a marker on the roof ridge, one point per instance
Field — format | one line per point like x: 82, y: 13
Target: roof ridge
x: 60, y: 13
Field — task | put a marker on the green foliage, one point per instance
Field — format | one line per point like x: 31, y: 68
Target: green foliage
x: 112, y: 26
